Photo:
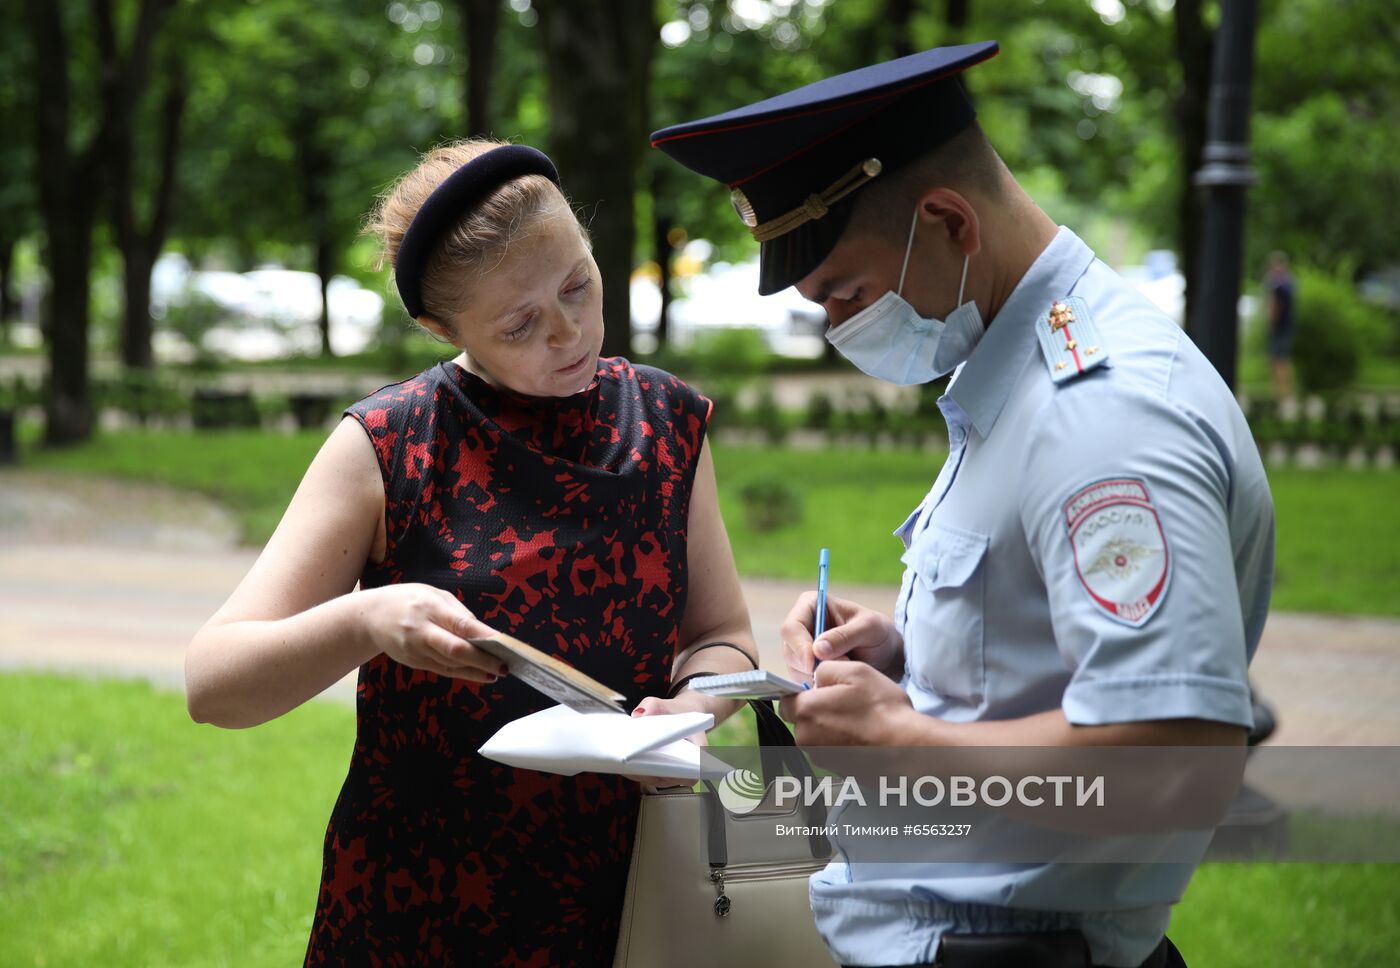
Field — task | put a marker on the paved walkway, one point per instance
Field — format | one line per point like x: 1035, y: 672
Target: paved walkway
x: 113, y: 579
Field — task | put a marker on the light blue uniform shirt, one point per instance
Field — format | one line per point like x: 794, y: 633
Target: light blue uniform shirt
x: 1099, y: 540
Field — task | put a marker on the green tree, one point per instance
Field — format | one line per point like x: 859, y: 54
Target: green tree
x: 18, y: 215
x: 142, y: 160
x: 1327, y: 133
x: 598, y: 64
x: 299, y: 118
x: 70, y: 174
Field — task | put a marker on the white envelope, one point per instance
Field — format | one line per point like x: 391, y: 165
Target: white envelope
x: 561, y: 740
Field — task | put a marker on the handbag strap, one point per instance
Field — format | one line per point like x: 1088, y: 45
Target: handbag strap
x: 777, y: 749
x: 778, y: 755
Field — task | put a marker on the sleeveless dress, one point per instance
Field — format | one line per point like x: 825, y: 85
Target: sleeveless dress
x: 560, y: 521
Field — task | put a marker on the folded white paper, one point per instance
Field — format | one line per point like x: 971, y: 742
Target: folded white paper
x: 561, y: 740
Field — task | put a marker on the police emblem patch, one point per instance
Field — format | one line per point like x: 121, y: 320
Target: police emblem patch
x: 1120, y: 549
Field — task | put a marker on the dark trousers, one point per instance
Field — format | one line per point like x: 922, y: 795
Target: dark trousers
x: 1057, y: 949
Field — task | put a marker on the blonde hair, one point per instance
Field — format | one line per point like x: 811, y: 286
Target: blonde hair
x: 478, y: 237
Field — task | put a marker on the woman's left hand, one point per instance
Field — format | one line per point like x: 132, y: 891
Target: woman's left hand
x: 686, y: 702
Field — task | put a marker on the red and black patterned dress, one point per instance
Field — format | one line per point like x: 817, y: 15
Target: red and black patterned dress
x: 561, y: 522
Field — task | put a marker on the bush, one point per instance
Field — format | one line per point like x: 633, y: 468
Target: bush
x: 769, y: 504
x: 1335, y: 327
x: 874, y: 419
x: 721, y: 361
x: 769, y: 419
x: 141, y: 394
x: 193, y: 320
x: 20, y: 393
x: 223, y: 409
x: 821, y: 412
x: 728, y: 353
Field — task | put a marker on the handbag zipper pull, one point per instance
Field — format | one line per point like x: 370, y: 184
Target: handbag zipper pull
x: 722, y: 899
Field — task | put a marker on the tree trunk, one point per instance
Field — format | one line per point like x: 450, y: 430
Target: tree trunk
x: 141, y: 246
x: 68, y: 414
x: 325, y: 268
x: 480, y: 20
x: 1193, y: 50
x: 316, y: 169
x: 136, y: 330
x: 9, y: 304
x: 898, y: 13
x: 67, y: 201
x: 956, y: 15
x: 662, y: 252
x: 598, y: 56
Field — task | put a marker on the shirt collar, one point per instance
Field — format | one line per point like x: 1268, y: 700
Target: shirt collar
x: 983, y: 383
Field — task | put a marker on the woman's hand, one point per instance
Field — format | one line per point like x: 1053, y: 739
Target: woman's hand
x: 686, y: 702
x: 855, y: 632
x: 425, y: 628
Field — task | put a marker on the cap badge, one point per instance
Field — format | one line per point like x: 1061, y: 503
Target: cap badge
x: 743, y: 207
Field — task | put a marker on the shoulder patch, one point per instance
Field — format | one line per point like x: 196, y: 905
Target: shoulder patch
x: 1120, y: 548
x: 1069, y: 340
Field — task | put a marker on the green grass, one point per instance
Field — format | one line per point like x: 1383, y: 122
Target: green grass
x: 1338, y: 541
x: 252, y: 472
x: 1338, y: 546
x: 133, y: 836
x: 1300, y: 915
x: 1338, y: 533
x: 851, y: 501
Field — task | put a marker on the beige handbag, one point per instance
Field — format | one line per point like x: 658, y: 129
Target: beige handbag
x: 708, y: 887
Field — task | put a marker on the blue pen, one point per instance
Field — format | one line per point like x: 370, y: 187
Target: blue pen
x: 819, y: 626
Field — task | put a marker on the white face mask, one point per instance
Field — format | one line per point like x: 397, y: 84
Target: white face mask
x: 890, y: 341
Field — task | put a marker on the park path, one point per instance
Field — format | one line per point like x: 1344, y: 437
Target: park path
x: 106, y: 578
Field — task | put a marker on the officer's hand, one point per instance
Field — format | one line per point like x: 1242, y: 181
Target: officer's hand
x: 853, y: 632
x: 852, y: 705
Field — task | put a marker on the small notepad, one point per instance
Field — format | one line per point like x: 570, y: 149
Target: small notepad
x: 759, y: 684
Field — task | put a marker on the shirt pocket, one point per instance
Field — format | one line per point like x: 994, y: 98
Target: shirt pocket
x: 943, y: 629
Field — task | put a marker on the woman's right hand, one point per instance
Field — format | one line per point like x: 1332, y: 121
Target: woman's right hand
x: 854, y: 632
x: 426, y: 628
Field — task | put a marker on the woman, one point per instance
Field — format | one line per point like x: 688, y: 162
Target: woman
x: 525, y: 487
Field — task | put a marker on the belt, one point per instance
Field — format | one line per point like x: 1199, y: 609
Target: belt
x: 1053, y: 949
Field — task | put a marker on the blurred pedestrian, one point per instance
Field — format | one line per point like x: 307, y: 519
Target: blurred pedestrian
x: 1282, y: 292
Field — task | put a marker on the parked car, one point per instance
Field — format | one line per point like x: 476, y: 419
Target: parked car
x: 1158, y: 279
x: 270, y: 311
x: 726, y: 296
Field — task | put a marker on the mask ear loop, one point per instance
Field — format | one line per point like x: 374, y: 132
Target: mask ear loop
x: 963, y: 285
x: 908, y: 251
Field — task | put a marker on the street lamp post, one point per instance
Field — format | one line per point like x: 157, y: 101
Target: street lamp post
x: 1225, y: 174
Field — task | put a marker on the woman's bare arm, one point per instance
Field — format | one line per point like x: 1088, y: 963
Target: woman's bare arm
x: 292, y: 628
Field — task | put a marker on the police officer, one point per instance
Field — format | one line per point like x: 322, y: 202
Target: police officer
x: 1091, y: 566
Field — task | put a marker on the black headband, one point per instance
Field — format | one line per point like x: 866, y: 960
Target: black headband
x: 463, y: 189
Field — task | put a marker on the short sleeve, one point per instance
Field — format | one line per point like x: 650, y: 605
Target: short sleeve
x: 1125, y: 507
x: 685, y: 412
x: 393, y: 416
